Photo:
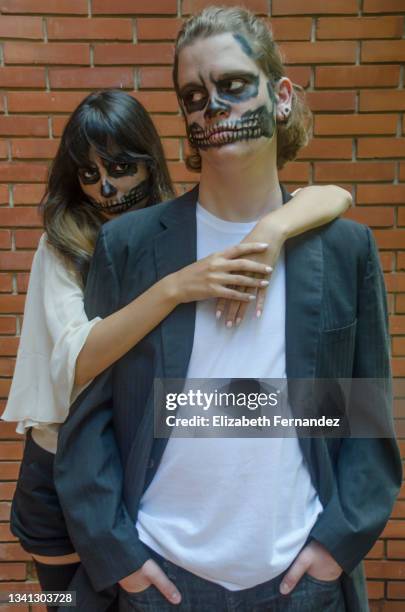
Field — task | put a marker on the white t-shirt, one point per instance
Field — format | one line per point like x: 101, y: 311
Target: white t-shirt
x: 233, y: 511
x: 54, y: 330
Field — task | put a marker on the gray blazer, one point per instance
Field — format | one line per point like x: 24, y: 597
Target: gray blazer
x: 336, y: 326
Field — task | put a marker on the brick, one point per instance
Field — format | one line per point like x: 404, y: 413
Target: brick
x: 359, y: 27
x: 4, y: 199
x: 7, y: 432
x: 158, y: 101
x: 399, y: 506
x: 7, y: 325
x: 291, y: 29
x: 382, y: 100
x: 8, y: 347
x: 13, y: 571
x: 132, y: 7
x: 316, y: 7
x: 171, y: 148
x: 169, y: 125
x: 7, y: 369
x: 76, y: 7
x: 338, y: 52
x: 25, y: 126
x: 30, y: 194
x: 331, y: 100
x: 383, y: 51
x: 401, y: 216
x: 356, y: 76
x: 130, y: 54
x: 45, y: 102
x: 22, y: 77
x: 375, y: 589
x: 58, y: 124
x: 46, y: 53
x: 3, y: 149
x: 377, y: 552
x: 10, y: 451
x: 71, y: 28
x: 179, y: 172
x: 91, y: 78
x: 400, y: 303
x: 21, y: 172
x: 355, y: 124
x: 5, y: 511
x: 14, y: 261
x: 396, y: 549
x: 402, y: 171
x: 157, y: 28
x: 260, y: 7
x: 348, y: 171
x: 23, y: 27
x: 9, y: 469
x: 397, y: 326
x: 385, y: 569
x: 398, y: 370
x: 26, y: 148
x: 395, y: 283
x: 13, y: 552
x: 327, y: 148
x: 380, y: 194
x: 22, y: 282
x: 381, y: 147
x: 387, y: 262
x: 375, y: 216
x: 155, y: 77
x: 299, y: 74
x: 27, y: 239
x: 6, y: 283
x: 383, y: 6
x: 394, y: 239
x: 295, y: 171
x: 396, y: 590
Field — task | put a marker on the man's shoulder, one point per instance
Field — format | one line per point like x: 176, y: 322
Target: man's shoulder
x: 351, y: 237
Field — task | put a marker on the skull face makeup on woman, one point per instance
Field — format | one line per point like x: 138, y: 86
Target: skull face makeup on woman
x: 114, y: 186
x: 226, y: 98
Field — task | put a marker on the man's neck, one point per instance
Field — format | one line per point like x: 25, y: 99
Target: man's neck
x: 243, y: 190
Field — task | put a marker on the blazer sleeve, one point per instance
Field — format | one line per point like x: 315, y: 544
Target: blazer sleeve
x: 88, y: 470
x: 368, y: 470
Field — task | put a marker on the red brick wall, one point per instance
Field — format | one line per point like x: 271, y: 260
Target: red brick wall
x: 346, y: 53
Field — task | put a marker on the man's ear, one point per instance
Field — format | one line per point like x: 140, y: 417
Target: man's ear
x: 284, y: 92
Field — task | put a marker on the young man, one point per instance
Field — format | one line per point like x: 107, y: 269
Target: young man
x: 231, y: 524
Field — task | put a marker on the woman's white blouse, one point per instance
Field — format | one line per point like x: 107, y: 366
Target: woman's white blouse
x: 54, y: 330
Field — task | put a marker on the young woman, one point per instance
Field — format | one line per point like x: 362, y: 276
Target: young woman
x: 110, y: 160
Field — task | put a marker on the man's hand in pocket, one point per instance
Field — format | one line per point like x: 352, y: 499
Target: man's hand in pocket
x: 151, y: 574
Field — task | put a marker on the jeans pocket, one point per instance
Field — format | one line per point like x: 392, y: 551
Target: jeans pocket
x: 324, y: 583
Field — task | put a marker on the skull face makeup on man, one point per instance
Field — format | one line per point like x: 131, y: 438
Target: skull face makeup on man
x: 226, y: 97
x: 113, y: 187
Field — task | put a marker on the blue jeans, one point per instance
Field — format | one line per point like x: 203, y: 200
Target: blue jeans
x: 199, y: 595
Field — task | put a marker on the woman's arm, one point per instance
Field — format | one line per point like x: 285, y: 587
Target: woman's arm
x: 309, y: 208
x: 112, y: 337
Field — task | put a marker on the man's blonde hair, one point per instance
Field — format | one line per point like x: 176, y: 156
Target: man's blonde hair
x: 213, y: 20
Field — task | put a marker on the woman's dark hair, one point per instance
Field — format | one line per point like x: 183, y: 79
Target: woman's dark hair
x: 117, y: 126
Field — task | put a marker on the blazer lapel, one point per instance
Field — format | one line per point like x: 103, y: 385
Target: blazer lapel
x: 176, y: 248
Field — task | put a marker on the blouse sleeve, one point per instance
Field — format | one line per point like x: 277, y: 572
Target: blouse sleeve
x: 54, y: 330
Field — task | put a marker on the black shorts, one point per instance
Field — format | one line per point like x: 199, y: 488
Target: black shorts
x: 36, y: 515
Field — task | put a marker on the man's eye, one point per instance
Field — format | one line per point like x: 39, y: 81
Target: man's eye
x: 193, y: 97
x: 233, y: 85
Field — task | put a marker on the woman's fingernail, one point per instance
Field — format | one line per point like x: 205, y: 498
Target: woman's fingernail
x: 252, y: 297
x: 264, y: 283
x: 175, y: 598
x: 284, y: 588
x: 218, y: 314
x: 238, y: 321
x: 269, y: 269
x: 264, y: 244
x: 258, y: 313
x: 229, y: 324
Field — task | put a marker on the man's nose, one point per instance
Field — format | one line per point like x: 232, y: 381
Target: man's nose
x: 216, y: 108
x: 107, y: 190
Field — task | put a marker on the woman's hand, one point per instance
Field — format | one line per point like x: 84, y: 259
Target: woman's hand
x: 275, y: 234
x: 215, y: 275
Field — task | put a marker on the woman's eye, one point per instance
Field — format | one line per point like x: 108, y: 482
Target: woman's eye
x: 88, y: 174
x: 119, y: 168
